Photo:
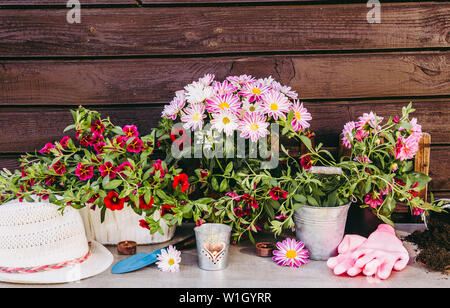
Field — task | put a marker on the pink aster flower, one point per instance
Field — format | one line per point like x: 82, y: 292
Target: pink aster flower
x: 226, y: 102
x: 275, y: 104
x: 173, y: 109
x: 84, y: 172
x: 368, y: 122
x: 254, y: 91
x: 347, y: 134
x: 291, y: 253
x: 373, y: 200
x: 130, y: 131
x: 47, y: 148
x: 253, y: 126
x: 301, y: 116
x: 194, y: 116
x: 223, y: 88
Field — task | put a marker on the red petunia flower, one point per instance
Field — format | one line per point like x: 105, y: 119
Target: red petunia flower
x: 144, y: 224
x: 250, y: 201
x: 158, y: 167
x: 121, y: 141
x: 93, y: 198
x: 143, y: 205
x: 183, y: 180
x: 84, y: 172
x: 97, y: 127
x: 277, y: 193
x: 97, y: 138
x: 135, y: 146
x: 113, y: 202
x: 100, y: 147
x: 131, y: 131
x: 123, y: 167
x: 59, y: 168
x: 48, y: 147
x: 108, y: 169
x: 50, y: 180
x: 305, y: 162
x: 413, y: 192
x: 166, y: 209
x: 86, y: 140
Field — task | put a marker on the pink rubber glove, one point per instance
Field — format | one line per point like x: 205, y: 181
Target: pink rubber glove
x: 344, y: 261
x: 380, y: 253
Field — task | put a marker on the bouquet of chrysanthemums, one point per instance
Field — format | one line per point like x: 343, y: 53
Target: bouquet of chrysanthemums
x: 381, y: 164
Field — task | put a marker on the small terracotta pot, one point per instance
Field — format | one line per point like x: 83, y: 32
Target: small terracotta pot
x: 265, y: 249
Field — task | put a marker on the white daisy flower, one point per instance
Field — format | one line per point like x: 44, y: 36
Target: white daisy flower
x: 225, y: 121
x: 169, y: 260
x: 193, y: 116
x: 252, y: 107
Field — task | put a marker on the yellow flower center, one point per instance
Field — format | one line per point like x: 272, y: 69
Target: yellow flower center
x: 291, y: 254
x: 224, y: 105
x: 256, y: 91
x: 298, y: 115
x: 171, y: 262
x: 274, y: 107
x: 252, y: 108
x: 226, y: 120
x: 254, y: 126
x: 196, y: 117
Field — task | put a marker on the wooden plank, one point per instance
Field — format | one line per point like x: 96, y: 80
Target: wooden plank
x: 7, y: 3
x: 119, y: 81
x: 440, y: 168
x: 9, y: 162
x: 422, y: 160
x: 210, y: 30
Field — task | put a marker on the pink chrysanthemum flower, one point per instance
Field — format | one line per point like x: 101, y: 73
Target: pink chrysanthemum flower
x: 227, y: 102
x: 253, y: 126
x: 253, y: 91
x: 284, y: 89
x: 368, y: 122
x: 416, y: 130
x: 347, y: 134
x: 223, y: 88
x: 291, y: 253
x: 171, y: 111
x: 207, y: 79
x: 194, y: 116
x: 275, y: 104
x: 241, y: 80
x: 225, y: 121
x: 406, y: 148
x: 301, y: 116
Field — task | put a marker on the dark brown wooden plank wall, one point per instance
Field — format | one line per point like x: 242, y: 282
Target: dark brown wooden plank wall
x: 127, y: 58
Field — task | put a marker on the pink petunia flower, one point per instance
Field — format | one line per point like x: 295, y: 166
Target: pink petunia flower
x: 373, y: 201
x: 291, y: 253
x: 65, y: 142
x: 97, y: 127
x: 47, y: 148
x: 107, y: 169
x: 59, y: 168
x: 135, y: 146
x: 130, y: 131
x: 84, y: 172
x: 277, y: 193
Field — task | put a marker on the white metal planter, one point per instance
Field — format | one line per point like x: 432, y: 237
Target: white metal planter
x: 121, y: 226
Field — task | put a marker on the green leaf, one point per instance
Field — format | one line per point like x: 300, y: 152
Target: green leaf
x: 300, y: 198
x: 312, y: 201
x: 215, y: 184
x: 223, y: 185
x: 228, y: 169
x: 70, y: 127
x: 306, y: 141
x: 112, y: 185
x: 103, y: 213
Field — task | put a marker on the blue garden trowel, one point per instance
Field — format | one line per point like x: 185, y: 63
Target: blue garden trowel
x: 143, y: 259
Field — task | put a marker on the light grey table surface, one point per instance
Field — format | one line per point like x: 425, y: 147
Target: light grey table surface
x: 246, y: 270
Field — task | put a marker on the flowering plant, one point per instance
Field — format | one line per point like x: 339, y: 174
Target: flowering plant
x: 380, y: 165
x: 108, y: 167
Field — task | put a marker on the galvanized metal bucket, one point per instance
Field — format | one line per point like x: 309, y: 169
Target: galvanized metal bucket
x: 321, y: 229
x: 213, y: 243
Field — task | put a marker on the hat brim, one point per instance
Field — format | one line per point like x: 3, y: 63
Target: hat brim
x: 99, y: 261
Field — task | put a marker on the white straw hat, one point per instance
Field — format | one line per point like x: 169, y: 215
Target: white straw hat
x: 39, y: 245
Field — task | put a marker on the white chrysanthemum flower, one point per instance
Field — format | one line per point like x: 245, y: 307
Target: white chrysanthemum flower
x: 252, y: 107
x: 169, y: 260
x: 197, y: 93
x: 225, y: 121
x: 266, y: 81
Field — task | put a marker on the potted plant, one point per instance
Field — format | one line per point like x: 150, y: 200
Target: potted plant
x: 109, y: 173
